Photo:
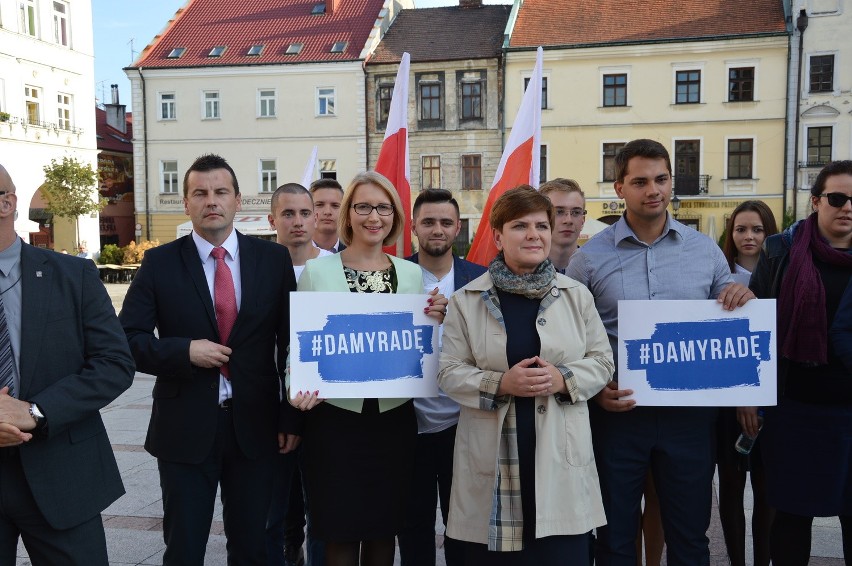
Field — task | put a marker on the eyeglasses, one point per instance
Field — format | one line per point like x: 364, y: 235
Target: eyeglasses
x: 365, y: 209
x: 837, y: 200
x: 574, y: 212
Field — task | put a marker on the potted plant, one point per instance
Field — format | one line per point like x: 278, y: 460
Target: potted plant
x: 4, y: 116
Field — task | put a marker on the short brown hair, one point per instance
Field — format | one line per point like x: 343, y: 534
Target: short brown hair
x: 344, y: 228
x: 649, y: 149
x: 325, y: 184
x: 517, y: 202
x: 209, y: 162
x: 561, y: 185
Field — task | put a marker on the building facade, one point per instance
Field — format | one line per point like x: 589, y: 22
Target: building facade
x: 47, y: 85
x: 115, y: 172
x: 704, y: 78
x: 455, y: 105
x: 275, y: 79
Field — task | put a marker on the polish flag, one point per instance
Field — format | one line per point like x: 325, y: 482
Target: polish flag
x: 518, y: 166
x: 393, y: 157
x: 310, y: 169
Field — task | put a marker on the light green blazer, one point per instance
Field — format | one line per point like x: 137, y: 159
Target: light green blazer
x: 326, y: 274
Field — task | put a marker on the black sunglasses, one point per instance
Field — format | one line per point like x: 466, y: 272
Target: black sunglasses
x: 837, y: 200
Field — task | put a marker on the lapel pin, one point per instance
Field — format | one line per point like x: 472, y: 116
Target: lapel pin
x: 38, y: 273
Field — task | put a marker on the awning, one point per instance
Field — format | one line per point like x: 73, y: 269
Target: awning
x: 249, y: 225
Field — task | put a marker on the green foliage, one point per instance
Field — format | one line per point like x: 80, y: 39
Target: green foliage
x: 69, y: 186
x: 722, y: 238
x: 788, y: 219
x: 111, y: 253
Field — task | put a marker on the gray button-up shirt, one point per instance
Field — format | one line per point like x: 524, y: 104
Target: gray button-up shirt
x: 682, y: 264
x: 10, y: 289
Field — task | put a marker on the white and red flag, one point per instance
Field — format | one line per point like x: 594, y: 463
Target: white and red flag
x: 310, y: 169
x: 393, y: 157
x: 518, y: 166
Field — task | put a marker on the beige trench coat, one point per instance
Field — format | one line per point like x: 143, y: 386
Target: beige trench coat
x: 568, y: 496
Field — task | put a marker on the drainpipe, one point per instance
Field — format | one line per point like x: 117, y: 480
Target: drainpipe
x: 801, y: 25
x: 145, y: 148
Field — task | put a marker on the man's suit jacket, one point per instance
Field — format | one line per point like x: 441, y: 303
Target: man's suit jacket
x: 463, y: 271
x: 74, y: 360
x: 170, y: 293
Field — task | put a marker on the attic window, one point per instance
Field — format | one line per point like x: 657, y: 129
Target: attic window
x: 217, y: 51
x: 294, y: 48
x: 318, y: 9
x: 176, y: 52
x: 255, y: 50
x: 339, y: 46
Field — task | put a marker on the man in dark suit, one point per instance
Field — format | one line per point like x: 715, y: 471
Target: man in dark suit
x: 62, y: 358
x: 436, y: 224
x: 220, y: 303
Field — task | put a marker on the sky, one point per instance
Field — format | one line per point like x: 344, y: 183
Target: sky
x: 117, y: 24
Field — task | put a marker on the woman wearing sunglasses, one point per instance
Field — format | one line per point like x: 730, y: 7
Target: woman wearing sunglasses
x: 807, y: 438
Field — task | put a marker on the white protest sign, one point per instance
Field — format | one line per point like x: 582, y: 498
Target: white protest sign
x: 694, y: 353
x: 361, y: 345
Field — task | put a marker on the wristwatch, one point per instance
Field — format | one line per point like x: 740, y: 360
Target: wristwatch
x: 37, y: 416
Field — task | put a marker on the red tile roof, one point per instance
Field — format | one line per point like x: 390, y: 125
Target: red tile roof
x: 453, y: 33
x: 548, y: 22
x: 110, y: 139
x: 204, y: 24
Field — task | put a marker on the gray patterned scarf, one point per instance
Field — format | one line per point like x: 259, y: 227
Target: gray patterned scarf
x: 533, y: 285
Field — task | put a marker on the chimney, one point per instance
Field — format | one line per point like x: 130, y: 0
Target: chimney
x: 470, y: 3
x: 116, y: 114
x: 331, y: 6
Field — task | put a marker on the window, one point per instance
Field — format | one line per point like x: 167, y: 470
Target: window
x: 615, y: 90
x: 687, y: 167
x: 384, y: 93
x: 325, y: 102
x: 819, y: 145
x: 471, y: 93
x: 268, y: 176
x: 542, y: 164
x: 29, y: 23
x: 255, y: 50
x: 741, y: 84
x: 740, y: 158
x: 822, y: 73
x: 176, y: 52
x: 60, y: 23
x: 461, y: 243
x: 328, y: 169
x: 543, y: 90
x: 318, y: 9
x: 688, y: 87
x: 609, y: 151
x: 294, y: 49
x: 32, y: 98
x: 63, y: 104
x: 211, y: 105
x: 339, y: 46
x: 430, y: 101
x: 167, y: 106
x: 431, y: 168
x: 266, y: 103
x: 217, y: 51
x: 169, y: 177
x: 471, y: 172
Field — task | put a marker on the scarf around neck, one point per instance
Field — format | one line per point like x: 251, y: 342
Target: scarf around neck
x: 533, y: 285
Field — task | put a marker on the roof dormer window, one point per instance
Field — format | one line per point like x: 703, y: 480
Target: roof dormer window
x: 318, y: 9
x: 294, y: 48
x: 176, y: 52
x: 339, y: 46
x: 255, y: 50
x: 217, y: 51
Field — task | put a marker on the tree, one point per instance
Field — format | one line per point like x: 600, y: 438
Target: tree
x: 69, y: 186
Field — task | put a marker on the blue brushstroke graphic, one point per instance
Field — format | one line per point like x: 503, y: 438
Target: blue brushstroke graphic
x: 356, y: 348
x: 708, y: 354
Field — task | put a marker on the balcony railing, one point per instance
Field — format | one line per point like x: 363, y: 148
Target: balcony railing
x: 690, y: 185
x: 813, y: 164
x: 27, y: 122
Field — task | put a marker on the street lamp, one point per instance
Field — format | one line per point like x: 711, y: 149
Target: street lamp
x: 675, y: 204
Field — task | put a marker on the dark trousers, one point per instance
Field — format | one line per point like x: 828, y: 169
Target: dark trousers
x: 189, y: 494
x: 433, y: 478
x: 562, y: 550
x: 678, y: 445
x: 20, y: 517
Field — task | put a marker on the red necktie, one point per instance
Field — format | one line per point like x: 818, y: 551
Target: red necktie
x: 225, y: 299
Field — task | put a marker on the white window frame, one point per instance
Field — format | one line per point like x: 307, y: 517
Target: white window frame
x: 33, y: 95
x: 806, y: 78
x: 211, y: 106
x: 61, y: 21
x: 27, y: 7
x: 263, y: 103
x: 803, y: 135
x: 694, y: 66
x: 172, y: 176
x: 622, y: 70
x: 323, y: 95
x: 65, y: 107
x: 164, y: 103
x: 267, y: 183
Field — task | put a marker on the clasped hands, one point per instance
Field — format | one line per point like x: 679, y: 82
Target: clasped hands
x: 15, y: 420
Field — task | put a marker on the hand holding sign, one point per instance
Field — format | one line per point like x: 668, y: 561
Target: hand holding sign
x: 610, y: 398
x: 306, y: 400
